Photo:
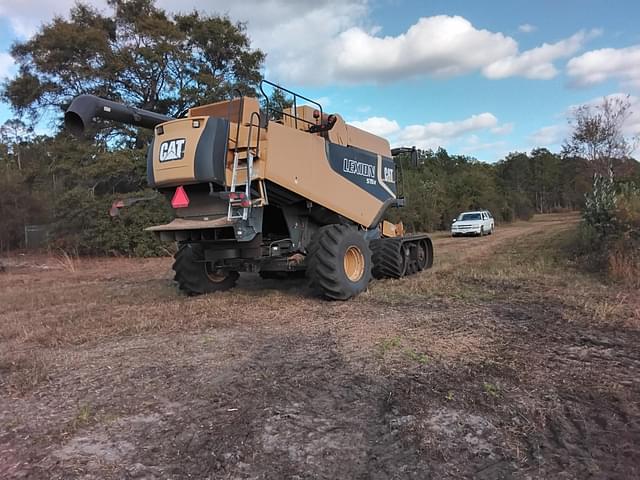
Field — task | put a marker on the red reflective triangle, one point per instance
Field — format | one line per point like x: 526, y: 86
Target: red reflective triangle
x: 180, y: 198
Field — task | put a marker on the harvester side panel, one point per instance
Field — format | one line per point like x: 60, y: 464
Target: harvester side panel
x: 299, y: 162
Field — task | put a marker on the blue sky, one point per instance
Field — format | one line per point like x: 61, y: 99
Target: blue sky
x: 478, y: 78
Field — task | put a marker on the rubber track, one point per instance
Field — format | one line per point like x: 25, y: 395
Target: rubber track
x: 387, y: 258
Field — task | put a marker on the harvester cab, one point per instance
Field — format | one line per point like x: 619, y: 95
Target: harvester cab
x: 280, y: 192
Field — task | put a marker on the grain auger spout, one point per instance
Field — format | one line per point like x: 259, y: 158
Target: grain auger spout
x: 85, y: 108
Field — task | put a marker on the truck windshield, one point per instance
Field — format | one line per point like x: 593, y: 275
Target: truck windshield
x: 470, y: 216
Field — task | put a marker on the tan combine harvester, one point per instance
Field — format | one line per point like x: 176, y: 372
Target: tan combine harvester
x: 303, y: 193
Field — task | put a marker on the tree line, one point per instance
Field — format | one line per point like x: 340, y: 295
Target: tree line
x: 516, y: 187
x: 141, y: 55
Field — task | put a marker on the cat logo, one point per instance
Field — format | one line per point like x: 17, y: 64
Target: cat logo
x: 172, y: 150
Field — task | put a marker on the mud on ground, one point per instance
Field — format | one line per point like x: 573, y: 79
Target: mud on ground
x: 500, y: 362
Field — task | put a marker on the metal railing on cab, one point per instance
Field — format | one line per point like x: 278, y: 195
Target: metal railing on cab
x: 271, y: 109
x: 413, y: 161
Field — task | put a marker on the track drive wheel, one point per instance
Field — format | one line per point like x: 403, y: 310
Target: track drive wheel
x: 389, y: 258
x: 424, y: 255
x: 195, y: 277
x: 339, y: 262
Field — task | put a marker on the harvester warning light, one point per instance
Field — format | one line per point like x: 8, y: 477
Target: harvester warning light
x: 180, y: 198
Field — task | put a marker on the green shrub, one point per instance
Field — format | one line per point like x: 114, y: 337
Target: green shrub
x: 608, y: 238
x: 85, y: 226
x: 600, y: 205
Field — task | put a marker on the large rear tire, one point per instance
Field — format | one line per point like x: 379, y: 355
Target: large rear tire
x: 339, y: 262
x: 194, y: 276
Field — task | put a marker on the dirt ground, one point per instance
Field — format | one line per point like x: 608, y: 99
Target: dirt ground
x: 503, y: 361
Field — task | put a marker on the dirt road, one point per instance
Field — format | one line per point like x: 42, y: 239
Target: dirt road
x: 500, y: 362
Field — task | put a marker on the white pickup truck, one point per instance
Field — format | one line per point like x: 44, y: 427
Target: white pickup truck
x: 479, y: 222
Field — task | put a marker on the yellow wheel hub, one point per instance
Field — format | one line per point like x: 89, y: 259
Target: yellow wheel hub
x: 216, y: 276
x: 354, y: 263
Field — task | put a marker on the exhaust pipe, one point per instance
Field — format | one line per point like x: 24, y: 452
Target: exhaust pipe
x: 85, y: 108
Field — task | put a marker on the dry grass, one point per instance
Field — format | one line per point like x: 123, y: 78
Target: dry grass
x: 24, y: 370
x: 624, y: 266
x: 68, y: 262
x: 56, y: 302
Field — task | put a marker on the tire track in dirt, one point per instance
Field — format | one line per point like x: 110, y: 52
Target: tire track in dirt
x: 282, y: 385
x: 294, y: 408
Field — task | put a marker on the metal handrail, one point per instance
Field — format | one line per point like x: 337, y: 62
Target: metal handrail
x: 295, y: 105
x: 251, y: 125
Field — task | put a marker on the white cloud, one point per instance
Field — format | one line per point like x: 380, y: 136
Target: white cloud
x: 437, y: 46
x: 378, y: 125
x: 632, y: 125
x: 323, y: 101
x: 442, y: 46
x: 7, y: 65
x: 548, y: 136
x: 294, y: 34
x: 25, y: 16
x: 429, y: 135
x: 527, y: 28
x: 504, y: 129
x: 537, y: 63
x: 598, y: 66
x: 474, y: 145
x: 333, y: 41
x: 450, y: 129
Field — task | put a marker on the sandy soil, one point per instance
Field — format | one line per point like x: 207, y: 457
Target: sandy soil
x: 494, y: 364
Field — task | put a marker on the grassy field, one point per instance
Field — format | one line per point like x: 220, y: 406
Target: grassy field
x: 503, y: 361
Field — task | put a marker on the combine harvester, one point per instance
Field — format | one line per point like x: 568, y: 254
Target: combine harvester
x: 304, y: 193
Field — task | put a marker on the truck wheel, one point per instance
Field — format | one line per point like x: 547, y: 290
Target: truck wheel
x: 389, y: 259
x: 195, y: 277
x: 339, y: 262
